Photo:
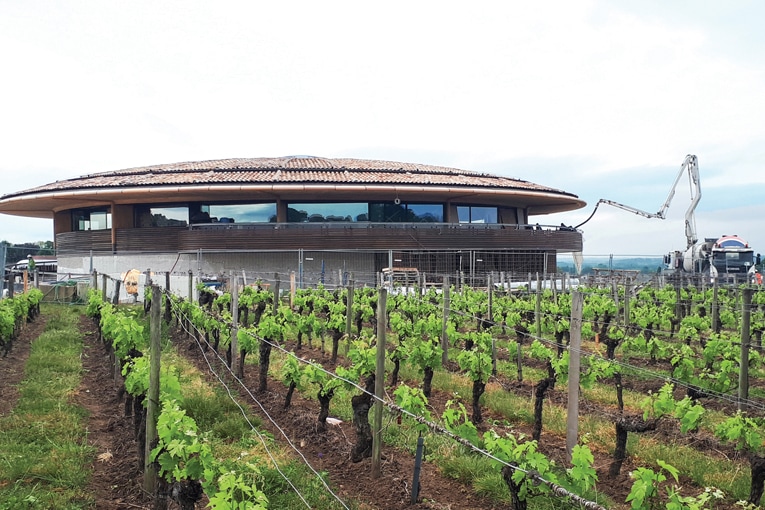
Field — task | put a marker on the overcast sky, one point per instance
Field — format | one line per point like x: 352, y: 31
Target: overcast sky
x: 602, y: 99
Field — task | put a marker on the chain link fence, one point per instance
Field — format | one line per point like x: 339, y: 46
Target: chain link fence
x: 124, y: 278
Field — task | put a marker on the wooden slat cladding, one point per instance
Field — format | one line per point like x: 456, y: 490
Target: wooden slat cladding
x: 322, y: 237
x: 149, y: 239
x: 84, y: 242
x: 379, y: 236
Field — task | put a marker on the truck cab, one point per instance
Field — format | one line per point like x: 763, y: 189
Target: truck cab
x: 732, y: 255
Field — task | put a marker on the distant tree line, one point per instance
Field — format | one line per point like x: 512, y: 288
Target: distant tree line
x: 16, y: 252
x: 642, y: 264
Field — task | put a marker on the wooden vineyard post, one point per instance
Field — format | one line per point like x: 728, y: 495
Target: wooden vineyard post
x: 382, y: 320
x: 537, y: 310
x: 93, y: 281
x: 743, y: 374
x: 444, y: 323
x: 277, y: 293
x: 490, y: 295
x: 103, y: 287
x: 417, y: 469
x: 191, y: 287
x: 293, y: 287
x: 627, y: 290
x: 715, y: 310
x: 116, y: 296
x: 554, y: 282
x: 11, y: 283
x: 490, y: 318
x: 167, y: 299
x: 574, y: 363
x: 235, y: 326
x: 152, y: 395
x: 518, y: 359
x: 348, y: 316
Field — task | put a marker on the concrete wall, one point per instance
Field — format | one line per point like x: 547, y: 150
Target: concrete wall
x: 328, y: 268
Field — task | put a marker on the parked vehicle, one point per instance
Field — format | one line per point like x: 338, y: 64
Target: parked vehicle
x: 46, y: 267
x: 726, y: 257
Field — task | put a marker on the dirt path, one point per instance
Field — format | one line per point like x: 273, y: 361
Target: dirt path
x: 116, y: 480
x: 331, y: 451
x: 12, y: 366
x: 117, y: 477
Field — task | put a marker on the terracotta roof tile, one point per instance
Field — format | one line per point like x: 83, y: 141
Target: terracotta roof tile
x: 290, y: 169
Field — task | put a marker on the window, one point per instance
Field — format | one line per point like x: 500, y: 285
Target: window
x: 425, y: 213
x: 390, y: 212
x: 327, y: 212
x: 476, y: 214
x: 91, y: 219
x: 233, y: 213
x: 149, y: 216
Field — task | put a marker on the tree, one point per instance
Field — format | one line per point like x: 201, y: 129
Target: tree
x: 16, y: 252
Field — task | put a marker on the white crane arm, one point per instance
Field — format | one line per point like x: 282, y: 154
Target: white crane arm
x: 630, y: 209
x: 691, y: 165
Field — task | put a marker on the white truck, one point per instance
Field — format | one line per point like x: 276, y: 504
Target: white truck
x: 729, y: 256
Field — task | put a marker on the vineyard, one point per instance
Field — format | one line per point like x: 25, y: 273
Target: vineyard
x: 609, y: 397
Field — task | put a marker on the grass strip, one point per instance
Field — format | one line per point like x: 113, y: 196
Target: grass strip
x: 231, y: 437
x: 44, y: 456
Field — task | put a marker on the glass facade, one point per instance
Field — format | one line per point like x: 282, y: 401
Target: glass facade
x: 299, y: 212
x: 325, y: 212
x: 91, y: 219
x: 376, y: 212
x: 425, y: 213
x: 169, y: 216
x: 390, y: 212
x: 234, y: 213
x: 476, y: 214
x: 195, y: 213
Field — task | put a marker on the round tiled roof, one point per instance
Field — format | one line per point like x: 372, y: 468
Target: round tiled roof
x: 289, y: 169
x: 310, y: 172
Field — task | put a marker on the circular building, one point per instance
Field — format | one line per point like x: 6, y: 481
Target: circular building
x: 312, y: 215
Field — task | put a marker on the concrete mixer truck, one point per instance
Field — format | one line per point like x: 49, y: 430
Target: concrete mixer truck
x: 728, y: 257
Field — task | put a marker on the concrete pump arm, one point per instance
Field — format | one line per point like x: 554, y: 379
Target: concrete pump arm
x: 690, y: 165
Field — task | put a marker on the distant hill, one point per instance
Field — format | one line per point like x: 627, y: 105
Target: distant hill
x: 645, y: 264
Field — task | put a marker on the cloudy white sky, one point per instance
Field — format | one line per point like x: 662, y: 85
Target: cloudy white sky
x: 603, y: 99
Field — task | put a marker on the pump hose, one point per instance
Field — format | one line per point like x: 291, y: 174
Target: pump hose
x: 591, y: 215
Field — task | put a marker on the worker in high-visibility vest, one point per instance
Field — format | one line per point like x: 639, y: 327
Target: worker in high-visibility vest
x: 758, y: 277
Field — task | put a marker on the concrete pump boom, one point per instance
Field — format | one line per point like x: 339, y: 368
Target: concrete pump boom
x: 690, y: 165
